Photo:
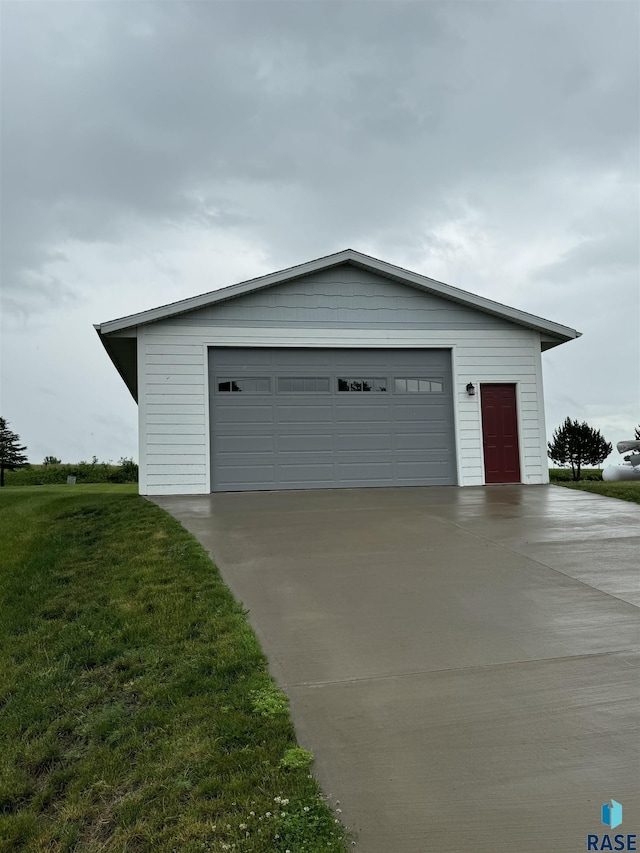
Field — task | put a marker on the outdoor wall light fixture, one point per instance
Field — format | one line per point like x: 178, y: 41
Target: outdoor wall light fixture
x: 471, y: 389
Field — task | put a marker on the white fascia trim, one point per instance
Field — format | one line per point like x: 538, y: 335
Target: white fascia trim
x: 521, y: 453
x: 142, y: 416
x: 207, y: 418
x: 413, y: 279
x: 456, y: 413
x: 542, y: 420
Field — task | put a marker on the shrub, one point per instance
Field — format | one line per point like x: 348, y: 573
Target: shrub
x: 84, y: 472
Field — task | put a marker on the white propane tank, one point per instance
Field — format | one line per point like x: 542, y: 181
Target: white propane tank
x: 621, y: 472
x: 630, y: 471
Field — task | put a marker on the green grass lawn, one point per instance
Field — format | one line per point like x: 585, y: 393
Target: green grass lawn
x: 629, y: 491
x: 136, y: 711
x: 592, y: 482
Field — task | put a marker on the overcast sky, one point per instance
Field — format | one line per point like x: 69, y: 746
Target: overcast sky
x: 154, y: 151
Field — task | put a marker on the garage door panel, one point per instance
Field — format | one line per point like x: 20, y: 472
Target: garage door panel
x: 303, y: 472
x: 245, y: 444
x: 284, y: 361
x: 254, y: 357
x: 362, y: 413
x: 245, y: 473
x: 433, y: 414
x: 301, y: 413
x: 365, y: 471
x: 422, y: 470
x: 299, y: 442
x: 306, y: 433
x: 229, y: 412
x: 355, y: 442
x: 411, y: 441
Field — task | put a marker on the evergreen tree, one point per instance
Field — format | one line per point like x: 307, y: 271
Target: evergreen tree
x: 578, y: 444
x: 11, y: 452
x: 637, y: 431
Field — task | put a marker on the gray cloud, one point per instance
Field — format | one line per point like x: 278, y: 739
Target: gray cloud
x: 492, y: 145
x: 365, y: 113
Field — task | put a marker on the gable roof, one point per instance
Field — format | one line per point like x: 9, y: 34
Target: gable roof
x: 119, y: 336
x: 557, y: 333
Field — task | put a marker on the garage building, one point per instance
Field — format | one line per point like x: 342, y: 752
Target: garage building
x: 345, y: 371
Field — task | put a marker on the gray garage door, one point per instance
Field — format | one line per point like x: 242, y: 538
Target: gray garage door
x: 309, y: 418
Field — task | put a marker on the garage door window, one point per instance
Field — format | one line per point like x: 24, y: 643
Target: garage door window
x: 304, y: 384
x: 418, y: 386
x: 377, y: 386
x: 250, y: 385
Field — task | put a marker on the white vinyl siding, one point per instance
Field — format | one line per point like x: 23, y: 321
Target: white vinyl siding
x: 343, y: 296
x: 173, y: 400
x: 173, y: 415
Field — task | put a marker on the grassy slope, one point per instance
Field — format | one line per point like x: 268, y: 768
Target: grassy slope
x: 136, y: 712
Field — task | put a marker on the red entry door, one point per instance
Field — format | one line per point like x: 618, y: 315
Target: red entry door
x: 500, y: 433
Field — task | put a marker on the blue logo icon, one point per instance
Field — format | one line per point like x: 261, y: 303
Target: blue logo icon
x: 612, y: 814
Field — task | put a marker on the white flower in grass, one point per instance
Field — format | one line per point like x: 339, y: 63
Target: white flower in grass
x: 306, y: 809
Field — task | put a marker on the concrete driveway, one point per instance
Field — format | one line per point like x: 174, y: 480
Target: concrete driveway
x: 462, y: 662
